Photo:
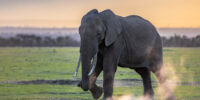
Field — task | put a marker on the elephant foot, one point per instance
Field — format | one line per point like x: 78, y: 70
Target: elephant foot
x: 96, y: 92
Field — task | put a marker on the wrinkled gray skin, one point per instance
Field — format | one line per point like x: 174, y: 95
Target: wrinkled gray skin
x: 130, y: 42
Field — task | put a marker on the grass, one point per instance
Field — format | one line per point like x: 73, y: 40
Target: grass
x: 17, y: 64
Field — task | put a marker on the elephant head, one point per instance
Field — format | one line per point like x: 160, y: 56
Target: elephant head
x: 96, y: 28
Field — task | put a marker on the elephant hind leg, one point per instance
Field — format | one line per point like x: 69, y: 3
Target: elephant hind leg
x: 145, y: 74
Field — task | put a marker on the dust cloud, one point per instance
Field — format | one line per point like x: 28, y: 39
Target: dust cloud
x: 167, y: 86
x: 168, y: 80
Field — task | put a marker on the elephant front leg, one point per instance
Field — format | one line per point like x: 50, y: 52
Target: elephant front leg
x: 95, y: 90
x: 109, y: 69
x: 108, y: 79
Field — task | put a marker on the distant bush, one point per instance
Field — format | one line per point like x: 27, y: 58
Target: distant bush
x: 37, y: 41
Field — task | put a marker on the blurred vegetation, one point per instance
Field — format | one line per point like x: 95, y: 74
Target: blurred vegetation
x: 22, y: 40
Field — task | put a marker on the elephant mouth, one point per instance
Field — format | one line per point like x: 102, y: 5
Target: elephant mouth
x: 94, y: 62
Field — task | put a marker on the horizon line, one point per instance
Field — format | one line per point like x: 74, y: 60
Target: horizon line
x: 58, y: 27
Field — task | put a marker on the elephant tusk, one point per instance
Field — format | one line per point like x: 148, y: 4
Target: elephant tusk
x: 79, y: 61
x: 93, y: 64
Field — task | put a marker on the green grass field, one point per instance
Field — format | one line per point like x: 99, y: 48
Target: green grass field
x: 24, y: 64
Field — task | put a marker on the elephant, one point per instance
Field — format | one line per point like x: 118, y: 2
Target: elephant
x: 108, y: 41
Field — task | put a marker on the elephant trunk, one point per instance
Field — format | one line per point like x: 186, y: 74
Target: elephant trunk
x: 87, y: 69
x: 88, y: 51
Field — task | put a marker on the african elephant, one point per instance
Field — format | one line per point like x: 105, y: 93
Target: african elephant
x: 108, y: 41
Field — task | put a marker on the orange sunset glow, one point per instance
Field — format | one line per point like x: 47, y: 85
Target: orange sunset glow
x: 68, y: 13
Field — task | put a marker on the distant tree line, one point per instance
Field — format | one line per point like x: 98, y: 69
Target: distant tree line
x: 22, y: 40
x: 181, y: 41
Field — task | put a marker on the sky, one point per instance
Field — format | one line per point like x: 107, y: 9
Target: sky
x: 68, y: 13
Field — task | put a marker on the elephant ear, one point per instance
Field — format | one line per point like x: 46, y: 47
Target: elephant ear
x: 113, y: 26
